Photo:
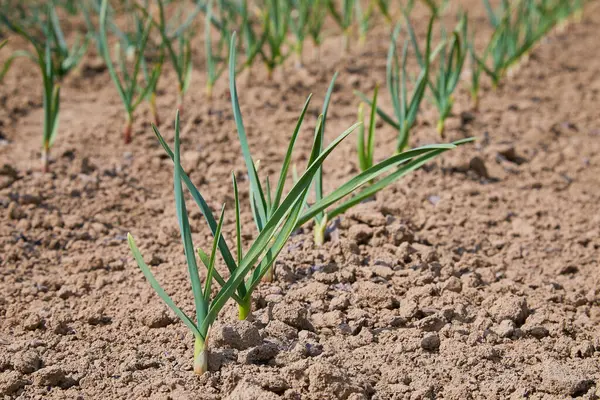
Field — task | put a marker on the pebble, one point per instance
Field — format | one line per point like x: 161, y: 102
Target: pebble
x: 11, y: 382
x: 293, y: 314
x: 239, y: 335
x: 431, y: 341
x: 360, y: 233
x: 53, y: 376
x: 510, y: 307
x: 453, y: 284
x: 27, y: 362
x: 155, y: 318
x: 33, y: 322
x: 280, y: 330
x: 259, y: 354
x: 505, y: 329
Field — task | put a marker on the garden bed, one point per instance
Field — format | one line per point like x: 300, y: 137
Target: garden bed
x: 473, y: 277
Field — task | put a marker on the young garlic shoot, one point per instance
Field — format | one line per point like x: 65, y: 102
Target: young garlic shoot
x: 151, y: 76
x: 8, y: 62
x: 403, y: 162
x: 362, y: 19
x: 65, y: 59
x: 366, y: 185
x: 436, y: 9
x: 252, y: 43
x: 450, y: 65
x: 204, y: 304
x: 180, y: 53
x: 127, y: 84
x: 344, y: 19
x: 275, y: 30
x: 384, y: 8
x: 318, y: 13
x: 213, y: 69
x: 366, y: 144
x: 299, y: 25
x: 276, y: 219
x: 51, y: 89
x: 517, y: 29
x: 320, y: 218
x: 405, y: 108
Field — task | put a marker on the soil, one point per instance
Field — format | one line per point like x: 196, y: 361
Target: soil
x: 475, y: 277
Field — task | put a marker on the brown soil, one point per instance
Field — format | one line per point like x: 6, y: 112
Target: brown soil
x: 475, y: 277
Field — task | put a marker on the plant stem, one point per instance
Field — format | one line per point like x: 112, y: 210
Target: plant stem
x: 441, y: 127
x: 153, y: 109
x: 475, y: 99
x: 403, y: 137
x: 180, y: 102
x: 245, y: 309
x: 299, y: 51
x: 209, y: 91
x: 345, y: 41
x: 319, y: 231
x: 270, y: 275
x: 200, y: 356
x: 127, y: 129
x: 45, y: 153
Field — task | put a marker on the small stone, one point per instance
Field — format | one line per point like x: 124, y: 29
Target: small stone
x: 259, y: 354
x: 239, y: 335
x: 23, y: 225
x: 537, y: 331
x: 308, y: 344
x: 27, y: 362
x: 247, y: 390
x: 73, y: 221
x: 87, y: 167
x: 363, y: 213
x: 53, y: 376
x: 33, y: 322
x: 324, y: 377
x: 432, y: 323
x: 52, y: 221
x: 583, y: 350
x: 401, y: 233
x: 340, y: 302
x: 382, y: 271
x: 505, y: 329
x: 156, y: 260
x: 280, y: 330
x: 65, y: 292
x: 431, y: 341
x: 568, y: 270
x: 11, y: 382
x: 15, y: 212
x: 9, y: 171
x: 155, y: 318
x: 509, y: 153
x: 96, y: 316
x: 360, y: 233
x: 453, y: 284
x: 30, y: 199
x: 405, y: 251
x: 565, y: 380
x: 329, y: 319
x: 477, y: 165
x: 293, y: 314
x: 510, y: 307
